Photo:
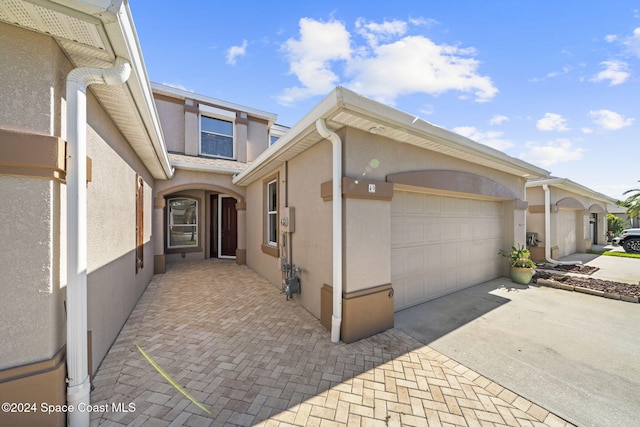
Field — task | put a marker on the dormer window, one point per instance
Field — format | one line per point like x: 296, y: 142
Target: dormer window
x: 217, y: 136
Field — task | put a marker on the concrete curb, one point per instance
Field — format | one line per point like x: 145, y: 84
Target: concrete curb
x: 551, y: 283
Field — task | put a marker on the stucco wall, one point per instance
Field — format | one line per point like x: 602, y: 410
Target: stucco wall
x: 31, y: 309
x: 266, y: 265
x: 171, y: 113
x: 312, y: 240
x: 257, y: 139
x: 31, y: 102
x: 374, y: 157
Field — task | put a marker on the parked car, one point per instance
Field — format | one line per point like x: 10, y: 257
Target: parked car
x: 629, y: 239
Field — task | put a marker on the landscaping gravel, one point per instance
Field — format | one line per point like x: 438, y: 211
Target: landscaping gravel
x: 591, y: 283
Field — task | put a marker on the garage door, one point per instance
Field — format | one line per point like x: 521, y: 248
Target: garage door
x: 567, y: 231
x: 442, y: 244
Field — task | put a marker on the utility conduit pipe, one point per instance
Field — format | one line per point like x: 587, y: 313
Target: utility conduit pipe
x: 547, y: 231
x: 78, y: 386
x: 336, y: 318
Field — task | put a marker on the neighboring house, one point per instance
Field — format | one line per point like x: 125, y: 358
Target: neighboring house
x: 46, y: 309
x: 621, y: 212
x: 576, y: 218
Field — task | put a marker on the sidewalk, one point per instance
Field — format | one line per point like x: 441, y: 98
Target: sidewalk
x: 234, y: 344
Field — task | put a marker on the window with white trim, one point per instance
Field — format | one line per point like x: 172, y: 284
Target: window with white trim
x: 217, y: 137
x: 272, y: 213
x: 182, y: 223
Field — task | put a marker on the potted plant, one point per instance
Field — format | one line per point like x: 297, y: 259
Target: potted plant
x: 522, y: 266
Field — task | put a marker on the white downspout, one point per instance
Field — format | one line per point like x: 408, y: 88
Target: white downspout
x: 78, y: 386
x: 336, y: 319
x: 547, y: 230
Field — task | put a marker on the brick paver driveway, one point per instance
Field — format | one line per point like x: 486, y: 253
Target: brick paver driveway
x: 230, y: 339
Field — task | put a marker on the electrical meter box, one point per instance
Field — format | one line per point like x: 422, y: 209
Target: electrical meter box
x: 287, y: 220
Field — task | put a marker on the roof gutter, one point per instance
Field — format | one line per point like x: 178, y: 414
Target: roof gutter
x: 336, y: 142
x: 78, y: 383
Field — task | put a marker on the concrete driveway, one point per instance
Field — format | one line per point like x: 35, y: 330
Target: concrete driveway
x: 575, y: 354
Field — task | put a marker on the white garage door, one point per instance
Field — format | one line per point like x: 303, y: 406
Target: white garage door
x: 567, y: 231
x: 442, y: 244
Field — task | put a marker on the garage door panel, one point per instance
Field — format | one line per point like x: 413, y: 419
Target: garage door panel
x: 413, y: 261
x: 413, y: 231
x: 447, y: 244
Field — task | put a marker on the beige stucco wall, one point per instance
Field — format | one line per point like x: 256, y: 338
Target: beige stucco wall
x: 181, y: 129
x: 31, y: 102
x: 33, y: 70
x: 31, y: 309
x: 266, y: 265
x: 257, y: 139
x: 171, y: 113
x: 312, y: 240
x: 113, y: 286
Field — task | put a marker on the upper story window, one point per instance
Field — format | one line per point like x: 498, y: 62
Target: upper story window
x: 217, y: 136
x: 276, y: 132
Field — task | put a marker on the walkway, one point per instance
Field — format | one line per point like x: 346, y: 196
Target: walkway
x: 230, y: 339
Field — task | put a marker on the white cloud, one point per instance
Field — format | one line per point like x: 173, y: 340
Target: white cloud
x: 388, y: 64
x: 610, y: 120
x: 491, y: 138
x: 610, y: 38
x: 633, y: 42
x: 586, y: 130
x: 498, y: 119
x: 374, y: 32
x: 552, y: 122
x: 615, y: 72
x: 557, y: 151
x: 310, y: 58
x: 236, y: 51
x: 415, y: 64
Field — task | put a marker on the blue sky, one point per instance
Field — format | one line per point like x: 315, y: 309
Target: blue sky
x: 555, y: 83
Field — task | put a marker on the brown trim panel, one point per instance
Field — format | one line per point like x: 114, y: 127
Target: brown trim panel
x: 40, y: 382
x: 27, y: 154
x: 364, y: 313
x: 356, y: 188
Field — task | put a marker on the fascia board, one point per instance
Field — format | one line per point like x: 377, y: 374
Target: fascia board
x: 420, y: 127
x: 185, y: 94
x: 125, y: 43
x: 573, y: 187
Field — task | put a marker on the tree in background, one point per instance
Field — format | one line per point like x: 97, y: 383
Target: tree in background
x: 632, y: 203
x: 614, y: 224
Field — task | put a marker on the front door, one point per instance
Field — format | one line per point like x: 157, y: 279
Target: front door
x: 228, y: 227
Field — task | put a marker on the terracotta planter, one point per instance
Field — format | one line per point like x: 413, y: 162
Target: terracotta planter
x: 521, y: 275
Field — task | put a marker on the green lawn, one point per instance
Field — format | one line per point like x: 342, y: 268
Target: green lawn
x: 620, y: 254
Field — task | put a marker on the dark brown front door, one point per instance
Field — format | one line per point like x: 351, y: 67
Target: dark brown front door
x: 228, y: 227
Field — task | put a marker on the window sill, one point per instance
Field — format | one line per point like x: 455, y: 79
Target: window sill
x: 270, y: 250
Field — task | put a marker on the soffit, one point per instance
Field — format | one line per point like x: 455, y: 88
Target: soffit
x: 95, y: 41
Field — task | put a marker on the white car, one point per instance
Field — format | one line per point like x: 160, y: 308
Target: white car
x: 629, y: 239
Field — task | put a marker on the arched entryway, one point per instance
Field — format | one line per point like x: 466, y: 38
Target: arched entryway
x: 199, y: 221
